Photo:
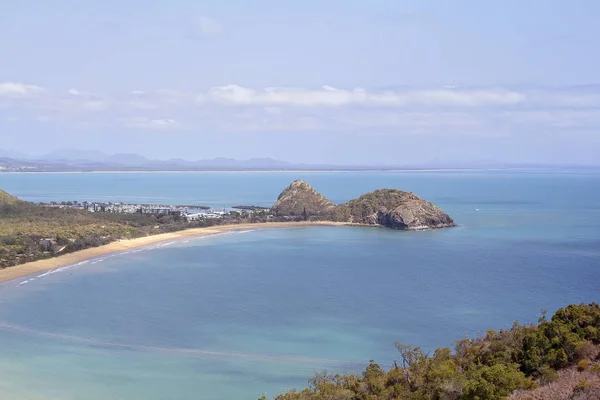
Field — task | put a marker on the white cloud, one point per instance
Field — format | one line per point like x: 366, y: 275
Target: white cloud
x: 395, y: 110
x: 148, y: 123
x: 329, y: 96
x: 208, y: 26
x: 411, y: 120
x: 15, y: 89
x: 163, y: 122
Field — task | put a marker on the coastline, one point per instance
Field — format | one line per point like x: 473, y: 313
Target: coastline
x: 23, y: 270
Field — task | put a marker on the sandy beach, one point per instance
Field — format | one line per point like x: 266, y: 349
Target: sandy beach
x: 26, y: 269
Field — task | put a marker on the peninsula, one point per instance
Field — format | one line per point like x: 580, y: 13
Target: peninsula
x: 38, y: 237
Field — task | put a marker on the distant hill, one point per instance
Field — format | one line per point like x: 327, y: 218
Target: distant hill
x: 93, y: 160
x: 126, y: 159
x: 11, y: 154
x: 72, y: 155
x: 65, y: 161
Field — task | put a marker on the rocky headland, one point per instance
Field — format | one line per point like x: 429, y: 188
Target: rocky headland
x: 390, y: 208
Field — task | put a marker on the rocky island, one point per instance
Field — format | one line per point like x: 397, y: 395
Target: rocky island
x: 390, y: 208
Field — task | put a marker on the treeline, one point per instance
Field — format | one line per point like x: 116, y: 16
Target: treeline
x: 29, y: 232
x: 524, y: 362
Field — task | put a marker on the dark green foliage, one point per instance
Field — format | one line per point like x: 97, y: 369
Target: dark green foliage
x: 555, y: 343
x: 494, y: 382
x: 490, y: 367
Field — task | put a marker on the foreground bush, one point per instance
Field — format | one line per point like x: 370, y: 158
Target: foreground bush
x: 493, y: 366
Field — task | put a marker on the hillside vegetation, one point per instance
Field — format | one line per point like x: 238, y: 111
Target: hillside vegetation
x: 555, y: 359
x: 7, y: 199
x: 30, y: 232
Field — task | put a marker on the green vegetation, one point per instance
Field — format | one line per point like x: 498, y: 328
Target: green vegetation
x: 489, y: 367
x: 7, y: 199
x: 30, y: 232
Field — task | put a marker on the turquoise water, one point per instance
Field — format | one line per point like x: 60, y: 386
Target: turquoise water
x: 241, y: 314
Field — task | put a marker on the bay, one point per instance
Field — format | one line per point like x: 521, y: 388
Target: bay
x: 238, y: 315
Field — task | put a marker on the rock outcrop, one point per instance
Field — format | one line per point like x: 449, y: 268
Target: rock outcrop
x: 6, y: 199
x: 391, y: 208
x: 301, y: 199
x: 394, y: 209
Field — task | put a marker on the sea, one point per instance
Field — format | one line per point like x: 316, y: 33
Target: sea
x: 242, y: 314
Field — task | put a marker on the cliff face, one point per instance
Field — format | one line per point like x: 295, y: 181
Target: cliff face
x: 7, y: 199
x: 301, y: 196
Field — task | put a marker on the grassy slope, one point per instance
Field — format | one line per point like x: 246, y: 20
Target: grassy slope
x: 7, y: 199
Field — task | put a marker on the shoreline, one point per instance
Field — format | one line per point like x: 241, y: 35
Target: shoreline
x: 33, y: 267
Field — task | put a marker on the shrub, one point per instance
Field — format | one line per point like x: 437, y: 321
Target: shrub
x: 586, y: 350
x: 583, y: 364
x: 547, y: 375
x: 581, y: 386
x: 495, y: 382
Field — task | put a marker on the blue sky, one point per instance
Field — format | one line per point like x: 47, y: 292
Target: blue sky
x: 362, y: 82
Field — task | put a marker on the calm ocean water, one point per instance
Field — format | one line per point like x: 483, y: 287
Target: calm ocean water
x: 241, y: 314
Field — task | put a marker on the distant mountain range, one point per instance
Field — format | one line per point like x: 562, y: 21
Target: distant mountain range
x: 92, y: 160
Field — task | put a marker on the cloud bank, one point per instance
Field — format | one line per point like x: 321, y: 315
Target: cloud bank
x: 232, y: 107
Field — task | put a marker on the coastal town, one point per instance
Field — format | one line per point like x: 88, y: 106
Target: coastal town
x: 187, y: 212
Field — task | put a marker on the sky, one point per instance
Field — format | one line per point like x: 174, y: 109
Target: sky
x: 327, y: 81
